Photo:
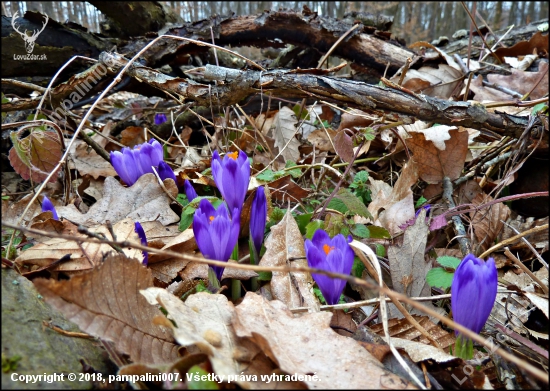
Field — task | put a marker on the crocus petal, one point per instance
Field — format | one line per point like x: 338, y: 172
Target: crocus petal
x: 47, y: 206
x: 157, y: 154
x: 160, y: 118
x: 117, y: 160
x: 189, y: 190
x: 231, y: 174
x: 143, y: 155
x: 320, y: 238
x: 141, y: 233
x: 166, y: 172
x: 473, y: 292
x: 258, y: 215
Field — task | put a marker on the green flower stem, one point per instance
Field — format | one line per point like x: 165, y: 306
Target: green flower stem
x: 254, y: 258
x: 464, y: 348
x: 235, y: 284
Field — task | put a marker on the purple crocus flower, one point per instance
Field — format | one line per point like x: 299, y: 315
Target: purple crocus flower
x: 189, y: 190
x: 141, y: 233
x: 231, y: 176
x: 165, y: 172
x: 130, y: 164
x: 333, y: 255
x: 216, y: 233
x: 47, y: 206
x: 426, y: 207
x: 160, y: 118
x: 258, y: 215
x: 473, y: 292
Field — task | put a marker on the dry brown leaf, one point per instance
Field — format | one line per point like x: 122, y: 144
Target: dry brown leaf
x: 392, y: 207
x: 200, y: 270
x: 144, y: 201
x: 284, y: 132
x: 307, y: 345
x: 438, y: 152
x: 87, y: 161
x: 421, y: 352
x: 487, y: 222
x: 344, y: 146
x: 284, y: 243
x: 106, y: 303
x: 486, y: 94
x: 523, y: 82
x: 12, y: 211
x: 403, y: 329
x: 182, y: 242
x: 284, y: 190
x: 408, y: 265
x: 204, y: 326
x: 83, y: 256
x: 320, y: 139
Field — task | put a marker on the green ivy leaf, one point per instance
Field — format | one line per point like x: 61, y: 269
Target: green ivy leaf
x: 267, y: 175
x: 439, y: 278
x: 447, y: 261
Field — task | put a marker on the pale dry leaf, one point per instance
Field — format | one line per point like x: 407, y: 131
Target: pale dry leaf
x: 486, y: 222
x: 182, y: 242
x: 523, y: 82
x: 320, y: 139
x: 86, y: 161
x: 438, y: 152
x: 200, y: 270
x: 421, y: 352
x: 83, y: 256
x: 12, y: 211
x: 307, y: 345
x: 203, y: 325
x: 540, y: 302
x: 284, y: 132
x: 486, y: 94
x: 393, y: 207
x: 105, y: 302
x: 408, y: 265
x: 284, y: 243
x: 144, y: 201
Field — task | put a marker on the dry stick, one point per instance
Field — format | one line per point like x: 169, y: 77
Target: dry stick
x: 404, y: 71
x: 346, y: 172
x: 22, y: 84
x: 513, y: 239
x: 465, y: 99
x: 285, y: 269
x: 528, y: 245
x: 375, y: 274
x: 479, y: 32
x: 325, y: 57
x: 535, y: 86
x: 447, y: 196
x: 520, y: 264
x: 498, y: 42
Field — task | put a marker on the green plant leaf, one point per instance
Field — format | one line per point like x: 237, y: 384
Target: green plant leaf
x: 420, y: 202
x: 439, y: 278
x: 447, y: 261
x: 302, y: 221
x: 312, y: 227
x: 361, y: 231
x: 267, y: 175
x: 377, y: 232
x: 357, y: 268
x: 199, y: 379
x: 355, y: 205
x: 338, y: 205
x: 380, y: 250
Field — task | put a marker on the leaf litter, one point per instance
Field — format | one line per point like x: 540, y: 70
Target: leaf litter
x: 279, y: 334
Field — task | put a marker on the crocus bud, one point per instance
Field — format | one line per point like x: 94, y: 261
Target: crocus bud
x: 473, y: 292
x: 333, y: 255
x: 160, y: 118
x: 47, y: 206
x: 215, y: 233
x: 189, y: 190
x: 141, y: 233
x: 231, y: 176
x: 130, y: 164
x: 258, y: 216
x: 166, y: 172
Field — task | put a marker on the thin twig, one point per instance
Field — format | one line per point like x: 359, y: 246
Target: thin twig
x: 524, y: 268
x: 539, y: 374
x: 513, y: 239
x: 447, y: 197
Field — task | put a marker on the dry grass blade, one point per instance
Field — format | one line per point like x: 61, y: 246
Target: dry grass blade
x: 106, y: 303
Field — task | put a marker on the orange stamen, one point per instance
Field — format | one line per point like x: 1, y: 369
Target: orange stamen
x: 211, y: 218
x: 327, y: 249
x: 233, y: 155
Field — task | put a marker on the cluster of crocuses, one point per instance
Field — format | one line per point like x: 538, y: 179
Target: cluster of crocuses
x: 217, y: 230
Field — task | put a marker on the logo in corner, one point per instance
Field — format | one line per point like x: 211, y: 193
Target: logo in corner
x: 29, y: 39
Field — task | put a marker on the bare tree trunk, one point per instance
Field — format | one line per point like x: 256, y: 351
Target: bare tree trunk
x: 498, y: 16
x: 513, y: 15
